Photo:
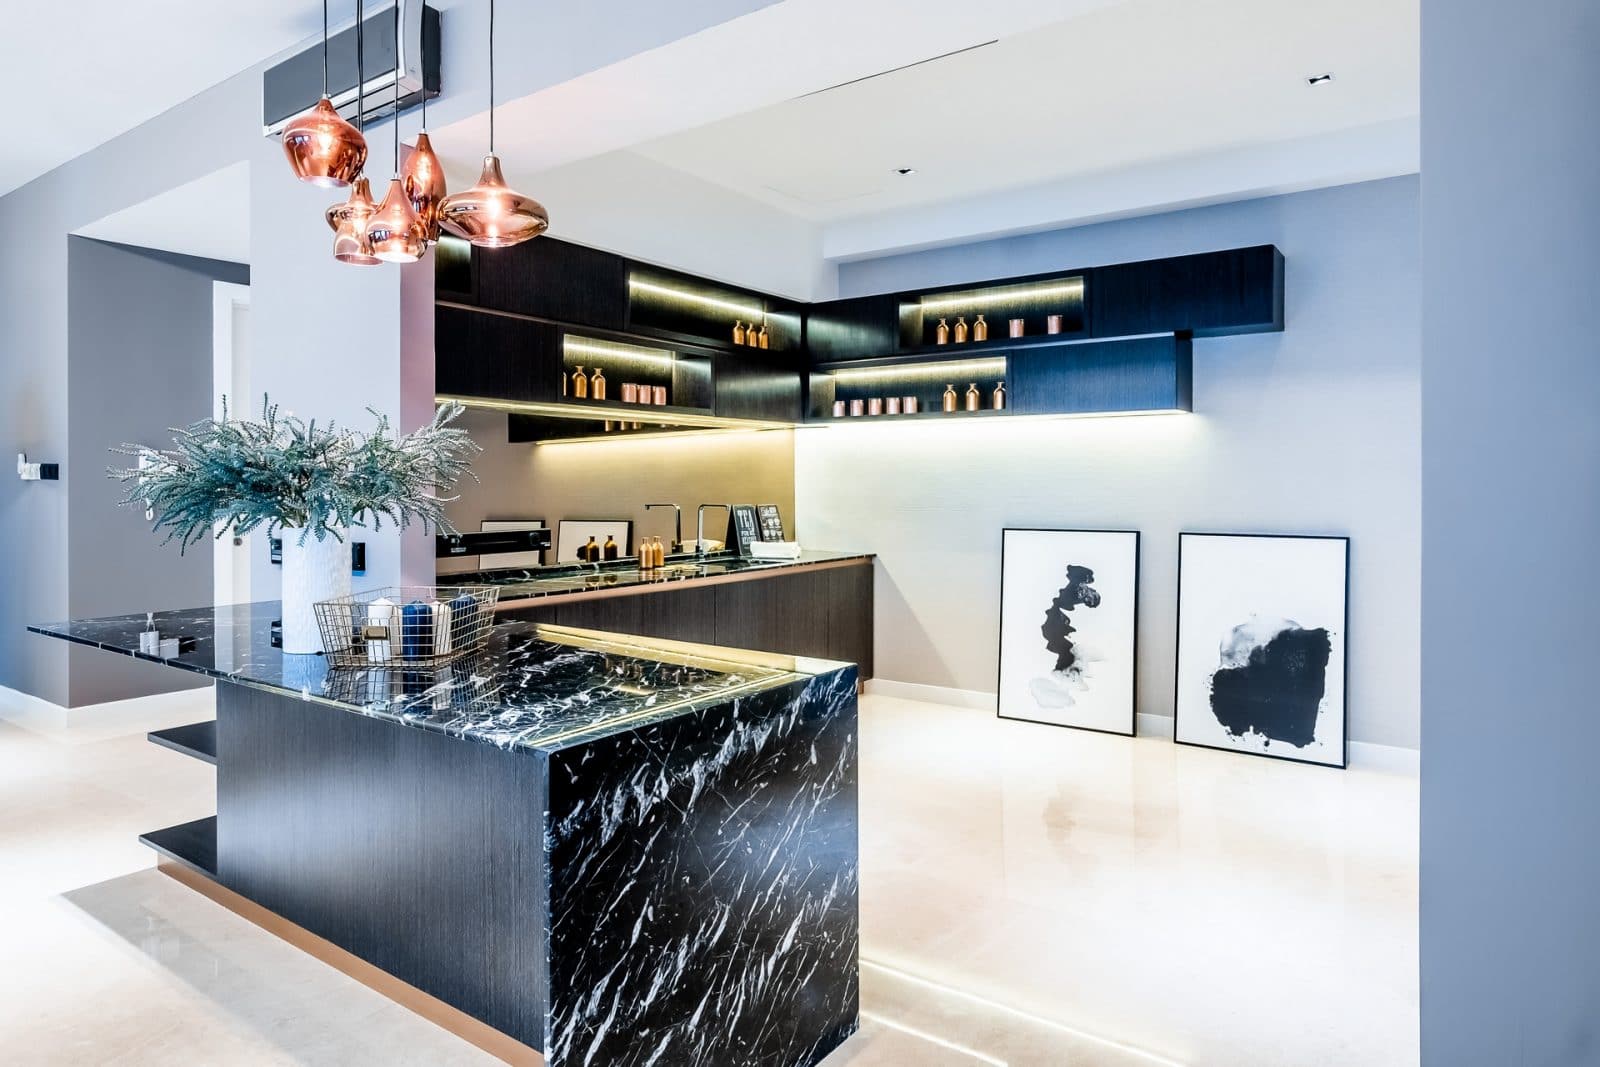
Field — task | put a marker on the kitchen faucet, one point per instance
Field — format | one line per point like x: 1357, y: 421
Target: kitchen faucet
x: 700, y: 526
x: 677, y: 536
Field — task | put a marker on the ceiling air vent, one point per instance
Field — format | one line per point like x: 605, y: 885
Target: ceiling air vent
x: 295, y: 84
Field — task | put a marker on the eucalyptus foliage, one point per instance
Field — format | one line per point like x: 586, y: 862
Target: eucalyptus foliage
x: 230, y: 476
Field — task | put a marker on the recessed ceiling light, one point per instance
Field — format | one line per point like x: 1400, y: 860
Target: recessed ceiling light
x: 1319, y: 79
x: 903, y: 171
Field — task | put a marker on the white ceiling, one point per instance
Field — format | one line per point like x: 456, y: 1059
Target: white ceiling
x: 88, y: 70
x: 1140, y: 83
x: 199, y: 218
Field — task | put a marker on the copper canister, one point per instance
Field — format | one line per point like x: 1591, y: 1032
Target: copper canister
x: 875, y: 406
x: 909, y: 405
x: 658, y: 395
x: 858, y: 407
x: 891, y: 405
x: 838, y: 408
x: 630, y: 392
x: 1015, y: 327
x: 1052, y: 324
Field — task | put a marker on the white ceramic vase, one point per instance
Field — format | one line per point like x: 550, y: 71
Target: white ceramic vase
x: 313, y: 571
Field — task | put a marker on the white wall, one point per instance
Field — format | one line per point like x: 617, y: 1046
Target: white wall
x: 1312, y: 430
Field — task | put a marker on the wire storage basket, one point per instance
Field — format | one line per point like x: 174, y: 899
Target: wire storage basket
x: 421, y: 626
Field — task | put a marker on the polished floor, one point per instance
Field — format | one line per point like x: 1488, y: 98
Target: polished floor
x: 1031, y: 896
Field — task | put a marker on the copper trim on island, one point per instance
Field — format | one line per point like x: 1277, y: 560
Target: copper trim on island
x: 473, y: 1031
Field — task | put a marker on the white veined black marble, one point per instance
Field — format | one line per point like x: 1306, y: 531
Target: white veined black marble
x: 704, y: 885
x: 532, y: 687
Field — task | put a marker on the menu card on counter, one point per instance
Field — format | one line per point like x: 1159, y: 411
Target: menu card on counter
x: 771, y: 522
x: 746, y: 527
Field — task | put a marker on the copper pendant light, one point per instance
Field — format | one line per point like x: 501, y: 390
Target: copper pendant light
x: 491, y: 214
x: 423, y: 176
x: 394, y: 231
x: 349, y: 219
x: 322, y: 147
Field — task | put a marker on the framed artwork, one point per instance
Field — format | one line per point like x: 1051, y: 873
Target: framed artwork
x: 1262, y: 620
x: 573, y: 534
x: 1069, y: 614
x: 503, y: 560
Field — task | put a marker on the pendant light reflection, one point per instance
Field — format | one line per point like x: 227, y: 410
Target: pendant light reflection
x: 491, y: 214
x: 321, y: 146
x: 349, y: 221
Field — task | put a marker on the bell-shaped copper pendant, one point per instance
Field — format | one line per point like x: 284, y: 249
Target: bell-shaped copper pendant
x: 491, y: 214
x: 323, y: 148
x: 394, y: 231
x: 424, y: 181
x: 349, y: 221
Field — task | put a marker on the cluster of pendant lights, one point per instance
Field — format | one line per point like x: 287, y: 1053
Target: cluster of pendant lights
x: 325, y: 150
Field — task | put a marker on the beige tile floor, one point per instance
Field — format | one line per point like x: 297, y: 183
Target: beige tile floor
x: 1031, y: 896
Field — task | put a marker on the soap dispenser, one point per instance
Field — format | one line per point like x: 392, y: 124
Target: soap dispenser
x: 950, y: 397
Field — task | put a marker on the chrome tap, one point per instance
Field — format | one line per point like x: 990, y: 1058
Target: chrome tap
x: 677, y: 536
x: 700, y: 526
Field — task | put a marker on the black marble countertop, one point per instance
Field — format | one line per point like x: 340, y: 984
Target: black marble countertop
x: 570, y: 578
x: 531, y: 687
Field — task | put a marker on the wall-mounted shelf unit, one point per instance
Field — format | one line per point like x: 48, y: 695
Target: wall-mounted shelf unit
x: 515, y: 323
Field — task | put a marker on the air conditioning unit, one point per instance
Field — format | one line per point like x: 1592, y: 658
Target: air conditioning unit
x: 295, y: 84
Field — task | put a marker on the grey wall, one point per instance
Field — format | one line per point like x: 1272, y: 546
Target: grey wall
x: 138, y: 362
x: 1511, y: 462
x: 1313, y: 430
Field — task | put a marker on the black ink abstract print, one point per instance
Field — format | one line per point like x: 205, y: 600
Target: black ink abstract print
x: 1261, y: 648
x: 1075, y: 667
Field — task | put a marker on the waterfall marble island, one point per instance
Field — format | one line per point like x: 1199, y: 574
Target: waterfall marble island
x: 604, y: 849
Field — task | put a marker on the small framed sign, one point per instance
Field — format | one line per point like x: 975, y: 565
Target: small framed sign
x: 746, y: 527
x: 771, y: 522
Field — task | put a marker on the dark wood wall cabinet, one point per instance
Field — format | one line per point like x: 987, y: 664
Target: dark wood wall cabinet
x: 514, y: 325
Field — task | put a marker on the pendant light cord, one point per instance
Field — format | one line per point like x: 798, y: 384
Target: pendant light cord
x: 491, y: 77
x: 361, y: 70
x: 397, y: 91
x: 324, y: 47
x: 423, y: 66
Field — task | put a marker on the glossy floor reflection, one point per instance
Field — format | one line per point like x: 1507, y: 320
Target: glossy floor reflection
x: 1031, y: 896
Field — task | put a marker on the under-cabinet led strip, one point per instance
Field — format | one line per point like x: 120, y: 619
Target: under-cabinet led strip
x: 748, y: 310
x: 976, y: 296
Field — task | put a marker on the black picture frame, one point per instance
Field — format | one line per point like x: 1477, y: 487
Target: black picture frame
x: 1133, y: 694
x: 600, y: 526
x: 1177, y: 652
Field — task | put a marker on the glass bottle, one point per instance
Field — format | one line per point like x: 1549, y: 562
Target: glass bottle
x: 762, y: 339
x: 980, y: 330
x: 941, y: 333
x: 738, y: 331
x: 610, y: 547
x: 1000, y: 396
x: 597, y: 385
x: 961, y: 330
x: 974, y: 398
x: 590, y: 552
x: 950, y: 397
x: 580, y: 383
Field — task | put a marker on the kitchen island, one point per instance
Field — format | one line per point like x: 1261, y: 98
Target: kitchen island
x: 609, y: 850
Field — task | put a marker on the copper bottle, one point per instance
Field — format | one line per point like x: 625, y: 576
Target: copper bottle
x: 980, y: 330
x: 1052, y: 324
x: 1015, y: 327
x: 909, y: 405
x: 762, y: 339
x: 891, y: 405
x: 838, y: 409
x: 961, y: 330
x: 875, y: 406
x: 658, y: 395
x: 1000, y: 396
x: 974, y: 398
x: 597, y: 385
x: 738, y: 331
x: 950, y: 400
x: 941, y: 333
x: 858, y: 407
x: 630, y: 393
x: 580, y: 383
